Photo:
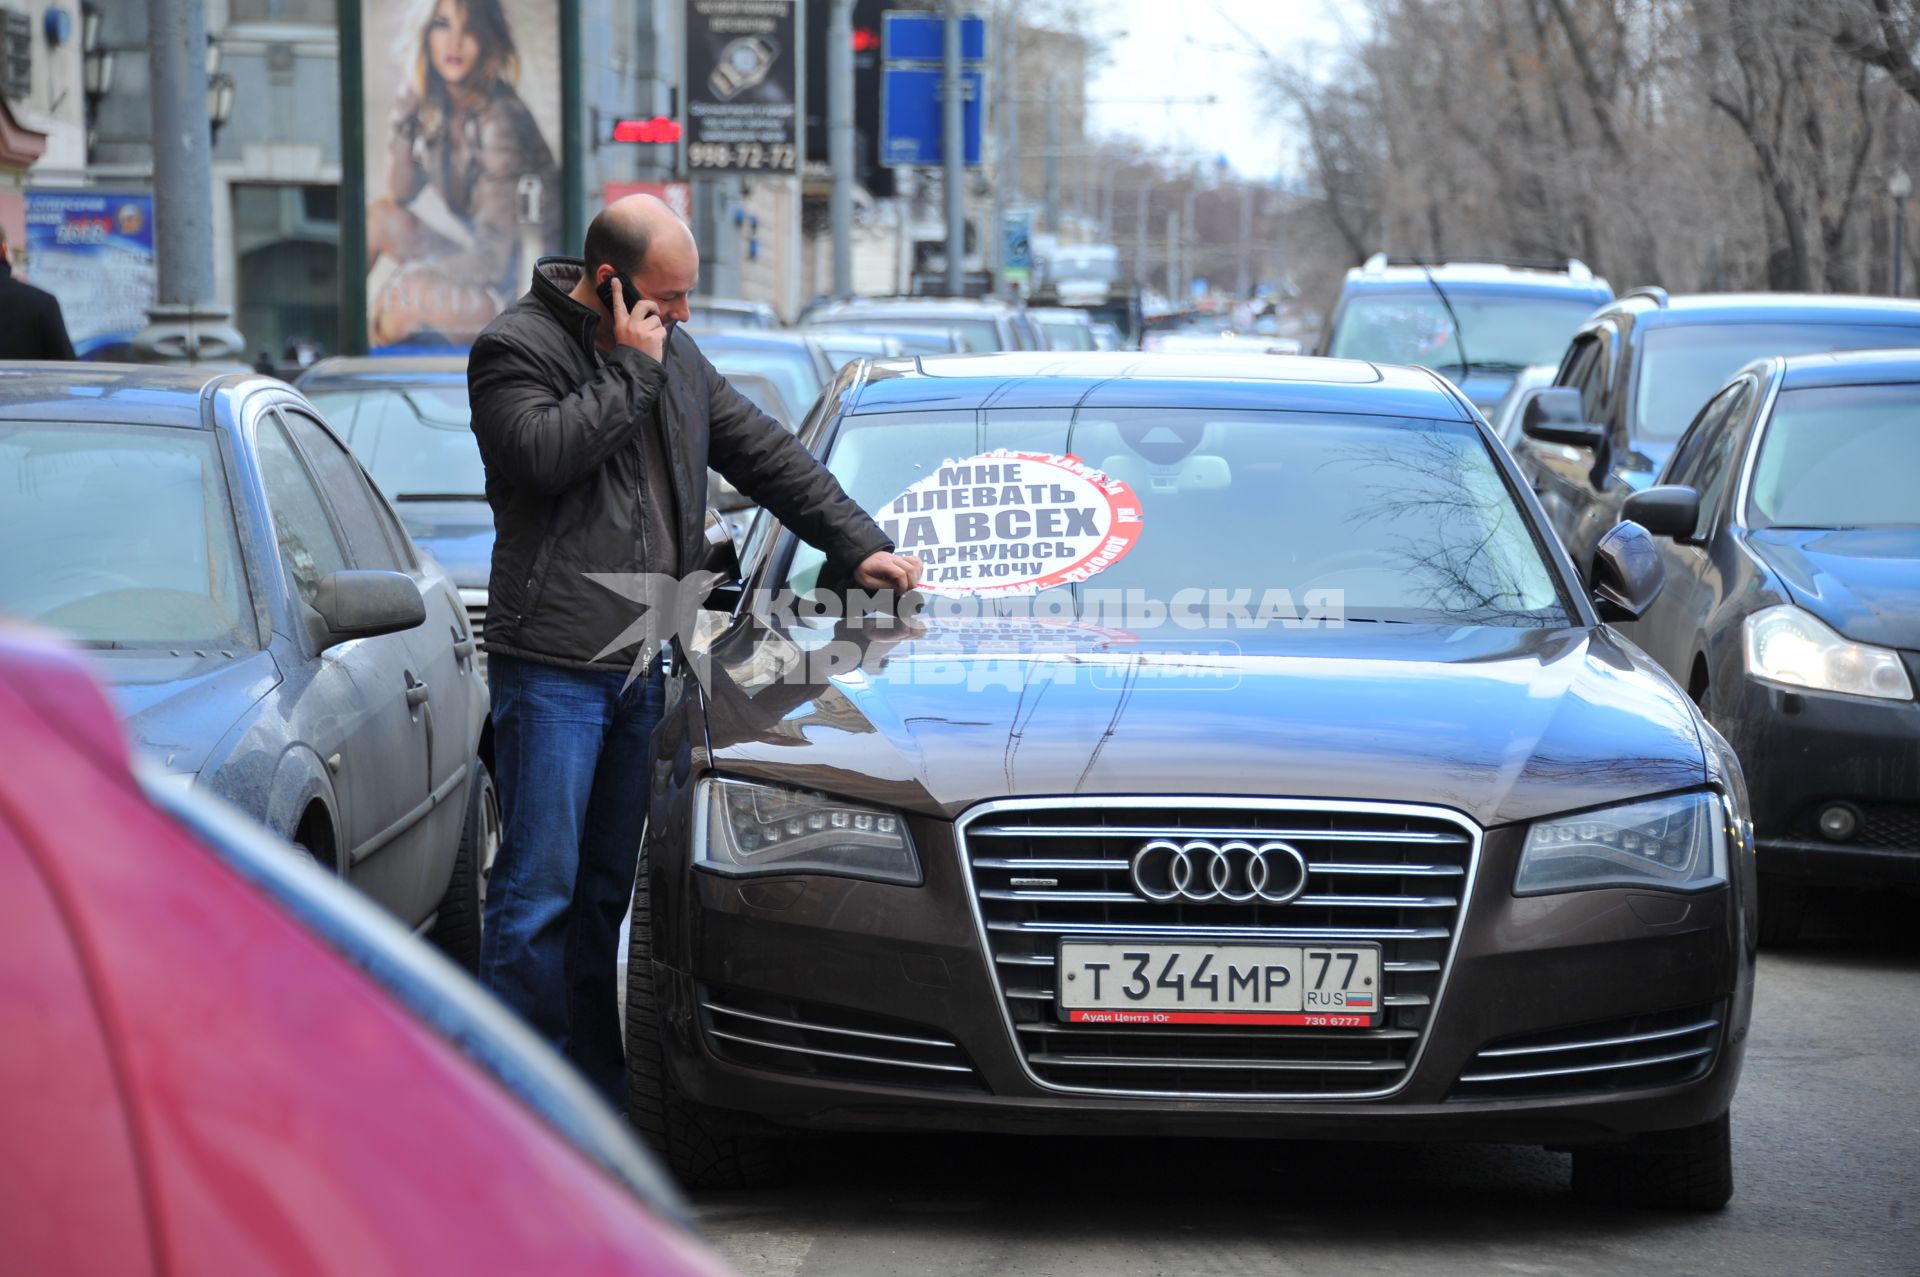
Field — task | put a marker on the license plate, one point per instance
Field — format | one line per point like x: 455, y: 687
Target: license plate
x: 1316, y: 986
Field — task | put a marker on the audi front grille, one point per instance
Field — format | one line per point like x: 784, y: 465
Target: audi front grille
x: 1047, y: 869
x: 1663, y: 1049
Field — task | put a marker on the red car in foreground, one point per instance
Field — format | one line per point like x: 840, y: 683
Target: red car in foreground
x: 215, y: 1059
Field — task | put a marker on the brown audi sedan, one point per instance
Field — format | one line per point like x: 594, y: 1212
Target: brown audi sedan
x: 1252, y: 763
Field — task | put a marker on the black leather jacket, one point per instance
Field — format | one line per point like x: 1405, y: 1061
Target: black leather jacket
x: 559, y: 432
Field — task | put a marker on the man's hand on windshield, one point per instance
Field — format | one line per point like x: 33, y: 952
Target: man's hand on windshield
x: 885, y: 570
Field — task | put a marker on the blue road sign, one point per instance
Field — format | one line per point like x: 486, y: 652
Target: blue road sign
x: 910, y: 36
x: 912, y: 130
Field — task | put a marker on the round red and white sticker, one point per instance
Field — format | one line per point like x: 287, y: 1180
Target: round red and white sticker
x: 1005, y: 523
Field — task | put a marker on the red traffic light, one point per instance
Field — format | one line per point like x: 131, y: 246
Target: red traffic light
x: 865, y: 39
x: 658, y: 129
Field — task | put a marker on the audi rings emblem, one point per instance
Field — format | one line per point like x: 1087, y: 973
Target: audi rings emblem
x: 1236, y: 872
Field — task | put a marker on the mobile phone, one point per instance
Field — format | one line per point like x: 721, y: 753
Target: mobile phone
x: 629, y: 295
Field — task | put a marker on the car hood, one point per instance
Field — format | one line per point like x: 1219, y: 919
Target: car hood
x: 457, y: 533
x: 1864, y: 582
x: 1502, y: 724
x: 177, y: 708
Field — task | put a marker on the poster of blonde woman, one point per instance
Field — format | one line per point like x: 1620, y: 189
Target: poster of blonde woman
x: 462, y: 111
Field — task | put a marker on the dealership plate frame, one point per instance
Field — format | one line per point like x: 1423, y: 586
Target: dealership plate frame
x: 1191, y: 802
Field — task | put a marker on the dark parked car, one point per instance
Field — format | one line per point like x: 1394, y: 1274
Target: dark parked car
x: 262, y: 617
x: 218, y: 1061
x: 1478, y: 320
x: 408, y: 421
x: 1638, y: 371
x: 1792, y: 612
x: 1458, y: 862
x: 406, y: 418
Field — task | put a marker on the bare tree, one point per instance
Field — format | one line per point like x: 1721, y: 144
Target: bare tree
x: 1697, y: 143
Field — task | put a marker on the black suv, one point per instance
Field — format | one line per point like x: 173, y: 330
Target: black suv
x: 1638, y: 371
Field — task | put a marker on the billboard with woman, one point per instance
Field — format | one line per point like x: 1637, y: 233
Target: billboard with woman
x: 462, y: 117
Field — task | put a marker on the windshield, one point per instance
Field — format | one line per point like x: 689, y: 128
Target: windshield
x: 1498, y: 331
x: 1840, y: 457
x: 980, y: 334
x: 1681, y: 367
x: 1409, y: 520
x: 416, y: 441
x: 763, y: 395
x: 789, y: 368
x: 1066, y: 333
x: 121, y: 536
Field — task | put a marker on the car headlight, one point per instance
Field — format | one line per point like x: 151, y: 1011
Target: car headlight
x: 744, y: 828
x: 1788, y: 645
x: 1677, y: 843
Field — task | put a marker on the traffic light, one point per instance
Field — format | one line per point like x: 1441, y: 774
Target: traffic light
x: 868, y: 171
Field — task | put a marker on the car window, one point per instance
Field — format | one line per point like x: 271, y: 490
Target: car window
x: 1719, y: 436
x: 416, y: 441
x: 308, y: 544
x: 1693, y: 444
x: 1063, y: 333
x: 1840, y: 457
x: 1681, y: 366
x: 790, y: 368
x: 368, y: 544
x: 1410, y: 520
x: 1593, y: 377
x: 121, y: 536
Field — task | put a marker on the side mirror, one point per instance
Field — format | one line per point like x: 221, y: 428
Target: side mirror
x: 722, y: 559
x: 356, y: 604
x: 1627, y: 572
x: 1555, y: 415
x: 1670, y: 510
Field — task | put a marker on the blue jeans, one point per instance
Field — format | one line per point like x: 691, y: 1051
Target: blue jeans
x: 571, y: 755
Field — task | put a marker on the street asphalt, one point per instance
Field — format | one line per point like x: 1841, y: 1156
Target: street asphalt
x: 1826, y: 1141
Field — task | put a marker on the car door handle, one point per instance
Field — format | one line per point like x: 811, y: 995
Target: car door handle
x: 416, y: 694
x: 463, y: 648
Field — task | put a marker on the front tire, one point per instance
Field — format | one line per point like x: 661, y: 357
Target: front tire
x: 699, y: 1147
x: 456, y: 926
x: 1690, y: 1169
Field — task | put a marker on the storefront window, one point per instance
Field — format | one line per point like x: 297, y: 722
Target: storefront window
x: 314, y: 12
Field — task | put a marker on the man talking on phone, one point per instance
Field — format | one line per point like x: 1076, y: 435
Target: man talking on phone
x: 597, y: 419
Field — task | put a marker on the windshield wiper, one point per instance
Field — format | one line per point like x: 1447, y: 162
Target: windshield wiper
x: 440, y: 496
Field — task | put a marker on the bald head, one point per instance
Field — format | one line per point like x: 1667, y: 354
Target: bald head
x: 641, y: 238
